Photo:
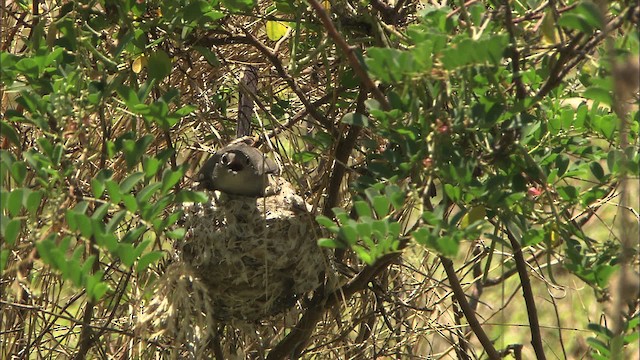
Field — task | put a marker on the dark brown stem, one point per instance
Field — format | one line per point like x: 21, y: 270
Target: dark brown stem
x: 572, y: 55
x: 521, y: 92
x: 461, y: 298
x: 300, y: 115
x: 296, y: 340
x: 87, y: 339
x: 350, y: 54
x: 275, y: 61
x: 539, y: 14
x: 527, y: 292
x: 343, y: 151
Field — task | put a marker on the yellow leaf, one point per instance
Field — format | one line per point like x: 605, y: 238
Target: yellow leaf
x: 548, y: 28
x: 276, y: 30
x: 326, y: 4
x: 476, y: 213
x: 138, y: 64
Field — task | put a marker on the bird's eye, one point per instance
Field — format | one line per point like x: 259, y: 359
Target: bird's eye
x: 224, y: 159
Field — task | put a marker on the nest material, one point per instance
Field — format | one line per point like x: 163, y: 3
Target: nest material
x: 242, y: 259
x: 256, y: 257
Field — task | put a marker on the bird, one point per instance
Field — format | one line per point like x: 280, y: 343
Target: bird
x: 238, y: 170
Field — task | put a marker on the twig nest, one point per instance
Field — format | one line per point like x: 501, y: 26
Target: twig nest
x: 254, y: 256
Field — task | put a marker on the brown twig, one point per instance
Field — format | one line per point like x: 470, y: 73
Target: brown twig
x: 538, y: 14
x: 87, y: 338
x: 295, y: 341
x: 460, y: 297
x: 275, y: 61
x: 350, y: 54
x: 521, y: 92
x: 527, y: 293
x: 343, y: 151
x: 572, y: 55
x: 300, y: 115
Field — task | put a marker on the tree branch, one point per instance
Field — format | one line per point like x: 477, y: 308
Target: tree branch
x: 275, y: 61
x: 296, y: 340
x: 350, y: 54
x: 460, y: 296
x: 527, y: 293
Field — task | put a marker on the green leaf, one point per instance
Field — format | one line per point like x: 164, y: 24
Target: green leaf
x: 112, y: 225
x: 452, y: 192
x: 362, y: 208
x: 148, y: 259
x: 208, y: 55
x: 341, y: 215
x: 14, y: 203
x: 85, y: 225
x: 96, y: 288
x: 447, y: 246
x: 147, y: 192
x: 349, y: 234
x: 130, y: 181
x: 471, y: 51
x: 303, y: 157
x: 330, y: 243
x: 598, y: 345
x: 239, y: 5
x: 597, y: 170
x: 133, y: 235
x: 4, y: 257
x: 113, y: 189
x: 327, y: 223
x: 12, y: 230
x: 568, y: 193
x: 101, y: 211
x: 177, y: 234
x: 7, y: 131
x: 130, y: 203
x: 97, y: 187
x: 192, y: 196
x: 476, y: 213
x: 599, y: 94
x: 134, y: 150
x: 18, y: 171
x: 32, y: 202
x: 86, y: 267
x: 533, y: 237
x: 356, y: 119
x: 364, y: 255
x: 170, y: 178
x: 126, y: 253
x: 381, y: 206
x: 151, y: 166
x: 159, y: 65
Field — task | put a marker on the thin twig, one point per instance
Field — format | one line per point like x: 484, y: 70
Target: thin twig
x: 521, y: 92
x: 275, y: 61
x: 296, y: 340
x: 350, y: 54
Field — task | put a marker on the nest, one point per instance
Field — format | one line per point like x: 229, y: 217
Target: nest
x: 242, y: 259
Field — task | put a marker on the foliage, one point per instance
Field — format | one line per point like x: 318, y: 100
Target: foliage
x: 499, y: 135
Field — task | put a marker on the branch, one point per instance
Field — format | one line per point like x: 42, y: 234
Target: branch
x: 521, y: 92
x: 559, y: 71
x: 273, y: 58
x: 467, y: 310
x: 300, y: 115
x: 527, y: 293
x: 351, y: 56
x: 296, y: 340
